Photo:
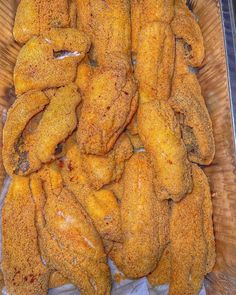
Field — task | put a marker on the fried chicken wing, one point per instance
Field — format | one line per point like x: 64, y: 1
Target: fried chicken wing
x: 144, y: 12
x: 56, y: 280
x: 101, y: 170
x: 187, y: 100
x: 50, y: 61
x: 23, y: 269
x: 101, y: 205
x: 160, y: 134
x: 185, y: 26
x: 34, y: 17
x: 108, y: 25
x: 188, y: 236
x: 139, y: 253
x: 107, y: 109
x: 155, y: 61
x: 68, y: 239
x: 18, y: 158
x: 58, y: 121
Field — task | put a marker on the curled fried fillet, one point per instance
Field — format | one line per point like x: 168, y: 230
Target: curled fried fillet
x: 185, y: 26
x: 187, y: 100
x: 139, y: 253
x: 68, y: 240
x: 101, y: 205
x: 155, y: 61
x: 159, y: 131
x: 161, y: 274
x: 108, y: 25
x: 23, y: 269
x: 148, y: 11
x: 56, y: 280
x: 107, y: 109
x: 189, y: 246
x: 34, y: 17
x: 49, y: 61
x: 58, y: 121
x: 101, y: 170
x: 16, y: 158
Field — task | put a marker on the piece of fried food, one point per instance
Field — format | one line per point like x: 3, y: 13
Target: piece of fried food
x: 17, y: 158
x: 187, y: 99
x: 108, y: 25
x: 159, y: 131
x: 58, y: 121
x: 144, y: 12
x: 50, y: 61
x: 34, y: 17
x: 161, y: 274
x: 57, y: 280
x: 23, y: 269
x: 67, y: 237
x: 139, y: 253
x: 101, y: 170
x: 107, y: 109
x: 101, y: 205
x: 2, y: 284
x: 155, y: 61
x: 185, y: 26
x: 84, y: 75
x: 188, y: 236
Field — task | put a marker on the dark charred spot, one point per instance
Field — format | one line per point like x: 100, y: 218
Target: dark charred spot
x: 61, y: 163
x: 108, y: 108
x: 58, y: 149
x: 169, y: 162
x: 69, y: 166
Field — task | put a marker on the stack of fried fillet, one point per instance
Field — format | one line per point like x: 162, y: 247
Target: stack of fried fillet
x: 102, y: 144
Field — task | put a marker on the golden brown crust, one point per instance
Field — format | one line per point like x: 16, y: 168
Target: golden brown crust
x: 17, y: 158
x: 40, y: 65
x: 155, y: 61
x: 67, y: 238
x: 24, y: 271
x: 101, y: 205
x: 159, y: 131
x: 144, y: 12
x: 185, y: 26
x: 58, y: 122
x: 190, y: 239
x: 101, y: 170
x: 161, y: 274
x: 107, y: 23
x: 139, y: 253
x: 57, y: 280
x: 107, y: 109
x: 187, y: 100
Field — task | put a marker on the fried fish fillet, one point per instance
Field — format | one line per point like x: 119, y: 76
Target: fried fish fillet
x: 101, y: 205
x: 185, y: 26
x: 68, y: 239
x: 144, y: 12
x: 50, y: 61
x: 191, y: 255
x: 58, y: 121
x: 35, y: 17
x: 107, y: 109
x: 138, y: 254
x: 107, y: 23
x: 56, y: 280
x: 161, y: 274
x: 155, y: 61
x: 101, y: 170
x: 17, y: 158
x: 187, y: 100
x: 159, y: 131
x: 23, y: 269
